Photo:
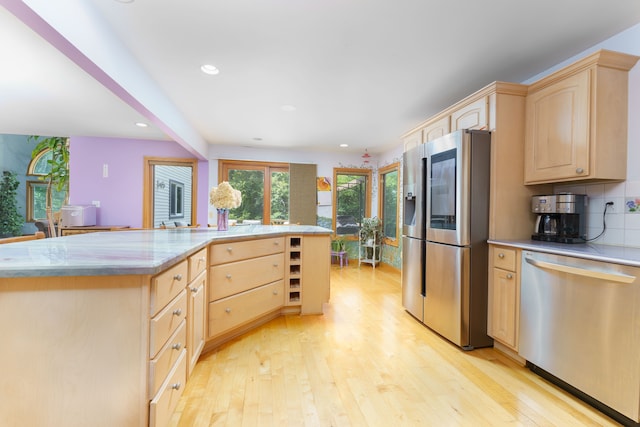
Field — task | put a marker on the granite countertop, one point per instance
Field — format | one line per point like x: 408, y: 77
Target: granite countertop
x: 124, y: 252
x: 605, y: 253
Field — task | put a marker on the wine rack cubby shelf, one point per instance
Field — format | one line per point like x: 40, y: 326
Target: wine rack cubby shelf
x: 293, y: 271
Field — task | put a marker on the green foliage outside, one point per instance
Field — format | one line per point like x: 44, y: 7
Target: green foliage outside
x: 351, y: 196
x: 10, y: 219
x: 251, y: 185
x: 390, y: 205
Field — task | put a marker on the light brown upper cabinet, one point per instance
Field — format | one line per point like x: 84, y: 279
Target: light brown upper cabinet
x: 436, y: 129
x: 470, y: 116
x: 412, y: 140
x: 576, y: 121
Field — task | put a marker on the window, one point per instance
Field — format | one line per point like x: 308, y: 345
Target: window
x: 351, y: 199
x: 264, y: 187
x: 176, y: 199
x: 389, y: 190
x: 37, y: 190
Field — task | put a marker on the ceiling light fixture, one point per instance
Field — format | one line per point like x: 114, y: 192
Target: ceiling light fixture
x: 210, y: 69
x: 366, y: 156
x: 141, y: 125
x: 344, y: 145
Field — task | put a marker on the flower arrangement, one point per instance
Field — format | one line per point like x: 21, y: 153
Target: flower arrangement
x: 225, y: 197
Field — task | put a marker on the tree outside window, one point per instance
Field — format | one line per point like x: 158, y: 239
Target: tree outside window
x: 352, y: 199
x: 389, y: 190
x: 264, y: 187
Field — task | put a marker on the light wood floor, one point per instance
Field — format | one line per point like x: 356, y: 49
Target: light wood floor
x: 366, y: 362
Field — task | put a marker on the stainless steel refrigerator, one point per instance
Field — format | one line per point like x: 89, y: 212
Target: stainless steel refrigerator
x: 413, y: 230
x: 457, y: 228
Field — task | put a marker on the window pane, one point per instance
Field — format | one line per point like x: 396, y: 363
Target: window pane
x: 42, y: 166
x: 251, y: 185
x: 279, y: 196
x: 39, y: 191
x: 351, y: 198
x: 390, y: 204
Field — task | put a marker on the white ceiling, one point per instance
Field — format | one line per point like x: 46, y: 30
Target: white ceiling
x: 360, y: 72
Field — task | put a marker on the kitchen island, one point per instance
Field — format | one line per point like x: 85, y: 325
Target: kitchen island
x: 103, y: 329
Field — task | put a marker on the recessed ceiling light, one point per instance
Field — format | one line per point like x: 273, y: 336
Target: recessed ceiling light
x: 344, y: 145
x: 141, y: 125
x: 210, y: 69
x: 288, y: 108
x: 257, y: 139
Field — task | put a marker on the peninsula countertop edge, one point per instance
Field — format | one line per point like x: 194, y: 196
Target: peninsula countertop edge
x: 119, y: 253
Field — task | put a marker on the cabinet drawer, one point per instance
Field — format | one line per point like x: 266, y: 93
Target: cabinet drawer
x: 165, y: 402
x: 235, y: 277
x: 235, y: 251
x: 504, y: 258
x: 160, y: 366
x: 197, y: 263
x: 164, y: 324
x: 227, y: 313
x: 165, y: 286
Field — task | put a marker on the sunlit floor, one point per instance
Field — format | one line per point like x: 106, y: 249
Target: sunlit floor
x: 366, y: 362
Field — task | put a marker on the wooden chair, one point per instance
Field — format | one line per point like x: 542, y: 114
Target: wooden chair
x: 36, y: 235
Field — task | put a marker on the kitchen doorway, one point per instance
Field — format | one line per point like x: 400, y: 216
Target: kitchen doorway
x: 170, y: 186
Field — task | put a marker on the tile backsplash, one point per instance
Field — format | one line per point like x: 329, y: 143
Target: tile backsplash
x: 622, y: 219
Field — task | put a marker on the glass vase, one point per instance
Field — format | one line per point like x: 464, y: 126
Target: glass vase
x: 223, y: 219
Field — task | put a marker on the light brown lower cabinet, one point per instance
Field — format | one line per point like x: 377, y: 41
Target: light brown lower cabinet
x: 504, y: 295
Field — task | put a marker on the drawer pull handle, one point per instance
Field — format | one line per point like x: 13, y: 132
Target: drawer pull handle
x: 228, y: 310
x: 509, y: 276
x: 275, y: 292
x: 203, y: 259
x: 229, y: 249
x: 176, y: 386
x: 194, y: 290
x: 228, y: 276
x: 275, y: 264
x: 276, y: 243
x: 579, y: 170
x: 177, y: 312
x: 177, y: 346
x: 178, y: 277
x: 500, y: 255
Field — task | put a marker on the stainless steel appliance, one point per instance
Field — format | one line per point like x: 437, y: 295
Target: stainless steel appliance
x: 455, y: 303
x: 580, y: 323
x: 413, y: 230
x: 560, y: 218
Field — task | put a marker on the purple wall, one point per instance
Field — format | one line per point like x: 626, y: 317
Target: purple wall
x: 120, y: 194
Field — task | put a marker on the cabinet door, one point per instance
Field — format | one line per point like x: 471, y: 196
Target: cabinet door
x: 196, y: 320
x: 436, y: 129
x: 557, y: 130
x: 471, y: 116
x: 412, y: 140
x: 503, y: 294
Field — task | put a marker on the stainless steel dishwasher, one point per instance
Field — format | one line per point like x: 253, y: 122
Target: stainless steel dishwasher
x: 580, y: 322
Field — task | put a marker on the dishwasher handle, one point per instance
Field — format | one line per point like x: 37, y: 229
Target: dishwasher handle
x: 614, y: 277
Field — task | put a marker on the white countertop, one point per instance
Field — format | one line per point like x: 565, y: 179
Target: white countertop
x: 605, y: 253
x: 123, y: 252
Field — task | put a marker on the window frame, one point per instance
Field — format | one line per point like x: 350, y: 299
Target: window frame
x: 366, y: 172
x: 394, y: 167
x: 224, y: 165
x: 176, y: 199
x: 31, y: 184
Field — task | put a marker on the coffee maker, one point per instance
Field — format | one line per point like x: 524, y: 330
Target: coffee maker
x: 560, y: 218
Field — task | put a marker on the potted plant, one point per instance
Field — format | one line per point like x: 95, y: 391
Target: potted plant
x: 58, y: 174
x: 10, y: 220
x: 371, y: 231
